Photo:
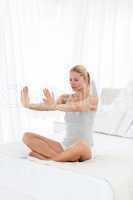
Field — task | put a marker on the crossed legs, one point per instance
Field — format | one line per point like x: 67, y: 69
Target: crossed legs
x: 47, y: 149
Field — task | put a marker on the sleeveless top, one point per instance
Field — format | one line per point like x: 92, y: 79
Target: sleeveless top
x: 79, y: 125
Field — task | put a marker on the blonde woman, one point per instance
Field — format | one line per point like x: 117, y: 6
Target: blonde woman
x: 79, y: 107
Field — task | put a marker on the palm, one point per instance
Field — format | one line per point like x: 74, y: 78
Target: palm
x: 48, y: 98
x: 25, y: 100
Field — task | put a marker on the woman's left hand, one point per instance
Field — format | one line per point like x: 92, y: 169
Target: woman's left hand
x: 49, y: 98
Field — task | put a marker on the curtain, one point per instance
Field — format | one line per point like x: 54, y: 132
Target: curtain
x: 41, y: 39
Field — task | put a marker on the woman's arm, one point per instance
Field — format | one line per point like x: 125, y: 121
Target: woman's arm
x: 42, y: 107
x: 86, y: 105
x: 49, y: 101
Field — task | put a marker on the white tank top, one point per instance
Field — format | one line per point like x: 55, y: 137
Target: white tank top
x: 79, y: 125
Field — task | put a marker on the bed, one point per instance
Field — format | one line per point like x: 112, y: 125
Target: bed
x: 108, y: 176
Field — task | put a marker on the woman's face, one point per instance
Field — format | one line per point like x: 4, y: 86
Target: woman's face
x: 77, y: 82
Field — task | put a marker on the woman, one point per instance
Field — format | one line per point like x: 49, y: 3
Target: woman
x: 79, y: 107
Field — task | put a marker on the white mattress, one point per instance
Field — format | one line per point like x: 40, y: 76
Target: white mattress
x: 107, y: 177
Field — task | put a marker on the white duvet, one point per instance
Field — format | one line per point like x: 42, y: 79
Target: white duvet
x: 107, y: 177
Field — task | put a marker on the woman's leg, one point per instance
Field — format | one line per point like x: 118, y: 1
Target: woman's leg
x: 37, y: 155
x: 42, y: 145
x: 79, y: 152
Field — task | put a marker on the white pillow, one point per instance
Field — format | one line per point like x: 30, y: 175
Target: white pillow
x: 108, y: 119
x: 129, y: 132
x: 124, y: 129
x: 117, y: 117
x: 127, y: 122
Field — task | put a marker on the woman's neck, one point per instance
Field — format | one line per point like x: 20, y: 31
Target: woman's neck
x: 84, y: 93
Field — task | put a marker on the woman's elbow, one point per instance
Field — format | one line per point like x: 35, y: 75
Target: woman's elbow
x: 93, y: 107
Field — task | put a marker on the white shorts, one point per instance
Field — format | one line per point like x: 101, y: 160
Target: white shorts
x: 67, y: 147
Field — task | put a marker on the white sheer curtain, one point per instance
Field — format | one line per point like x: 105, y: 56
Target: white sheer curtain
x: 41, y: 39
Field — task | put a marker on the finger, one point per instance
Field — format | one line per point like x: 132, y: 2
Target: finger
x: 45, y: 91
x: 48, y: 92
x: 25, y: 90
x: 22, y: 98
x: 22, y: 93
x: 44, y: 100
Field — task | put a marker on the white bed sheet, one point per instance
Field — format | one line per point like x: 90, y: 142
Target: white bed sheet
x: 113, y: 163
x: 107, y: 177
x: 40, y: 182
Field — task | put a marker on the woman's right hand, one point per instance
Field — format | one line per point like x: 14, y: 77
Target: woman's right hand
x: 25, y: 100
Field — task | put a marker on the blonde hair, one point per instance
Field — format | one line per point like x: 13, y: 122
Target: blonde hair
x: 82, y: 71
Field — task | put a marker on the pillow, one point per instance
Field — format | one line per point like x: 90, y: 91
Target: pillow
x: 127, y: 122
x: 116, y: 118
x: 108, y: 119
x: 129, y: 132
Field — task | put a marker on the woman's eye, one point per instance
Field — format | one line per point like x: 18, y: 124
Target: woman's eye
x: 73, y: 80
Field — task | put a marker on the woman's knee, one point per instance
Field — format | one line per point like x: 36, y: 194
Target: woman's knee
x: 27, y: 137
